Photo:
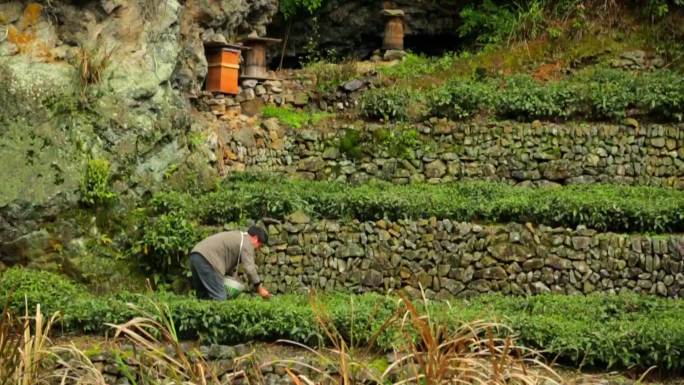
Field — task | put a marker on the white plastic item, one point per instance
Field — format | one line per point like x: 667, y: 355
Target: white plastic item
x: 233, y: 287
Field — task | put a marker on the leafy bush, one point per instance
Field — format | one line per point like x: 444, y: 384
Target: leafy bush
x: 385, y: 103
x: 290, y: 8
x: 525, y: 98
x: 608, y: 93
x: 52, y: 291
x: 95, y: 189
x: 329, y: 76
x: 492, y: 23
x: 602, y: 207
x: 619, y: 331
x: 656, y: 9
x: 459, y: 99
x: 291, y: 117
x: 350, y: 143
x: 601, y: 94
x: 414, y: 65
x: 165, y: 243
x: 662, y: 94
x: 399, y: 142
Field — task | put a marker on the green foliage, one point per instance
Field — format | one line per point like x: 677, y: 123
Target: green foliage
x: 600, y: 94
x: 95, y: 186
x: 602, y: 207
x: 389, y: 104
x: 350, y: 143
x: 399, y: 142
x: 525, y: 98
x: 53, y: 292
x: 460, y: 99
x: 330, y: 75
x: 657, y: 9
x: 620, y: 330
x: 291, y: 117
x: 414, y: 65
x: 608, y: 93
x: 662, y: 94
x: 165, y: 242
x: 492, y: 23
x: 291, y: 8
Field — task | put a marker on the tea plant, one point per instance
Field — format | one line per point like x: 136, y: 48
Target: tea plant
x: 460, y: 99
x: 620, y: 330
x: 388, y: 104
x: 602, y: 207
x: 399, y: 142
x: 164, y: 244
x: 597, y: 94
x: 415, y: 65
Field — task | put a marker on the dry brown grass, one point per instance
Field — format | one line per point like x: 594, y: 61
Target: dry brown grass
x: 27, y: 356
x: 92, y: 62
x: 10, y: 332
x: 432, y: 353
x: 469, y: 354
x: 33, y: 348
x: 151, y: 333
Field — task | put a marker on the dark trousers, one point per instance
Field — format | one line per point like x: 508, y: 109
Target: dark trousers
x: 208, y: 284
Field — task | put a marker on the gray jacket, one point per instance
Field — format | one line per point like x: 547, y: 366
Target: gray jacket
x: 222, y: 251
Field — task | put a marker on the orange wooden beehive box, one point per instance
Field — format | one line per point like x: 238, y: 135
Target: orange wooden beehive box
x: 223, y: 61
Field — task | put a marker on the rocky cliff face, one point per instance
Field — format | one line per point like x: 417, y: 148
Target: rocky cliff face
x: 108, y: 79
x: 356, y: 27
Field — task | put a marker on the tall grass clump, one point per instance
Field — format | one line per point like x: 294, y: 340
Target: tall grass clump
x: 425, y: 352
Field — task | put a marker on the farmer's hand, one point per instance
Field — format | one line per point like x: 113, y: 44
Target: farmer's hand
x: 261, y: 290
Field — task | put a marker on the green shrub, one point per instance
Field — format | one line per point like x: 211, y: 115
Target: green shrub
x: 460, y: 99
x: 602, y: 207
x: 291, y: 8
x: 291, y: 117
x: 389, y: 104
x: 95, y: 186
x: 399, y: 142
x: 164, y: 244
x: 600, y: 330
x: 527, y: 99
x: 491, y: 23
x: 415, y: 65
x: 597, y: 94
x: 329, y: 76
x: 608, y: 93
x: 52, y: 291
x: 662, y: 95
x: 350, y: 143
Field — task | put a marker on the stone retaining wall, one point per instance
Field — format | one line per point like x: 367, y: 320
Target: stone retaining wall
x: 287, y: 89
x: 450, y: 258
x: 537, y: 153
x: 228, y: 363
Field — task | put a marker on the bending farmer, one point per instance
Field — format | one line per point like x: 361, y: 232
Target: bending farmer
x: 219, y: 255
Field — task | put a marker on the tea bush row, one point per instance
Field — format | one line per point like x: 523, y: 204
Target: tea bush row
x: 595, y: 330
x: 601, y: 207
x: 174, y: 221
x: 601, y: 94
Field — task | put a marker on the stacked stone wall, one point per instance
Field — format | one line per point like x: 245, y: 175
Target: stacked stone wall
x: 516, y: 153
x: 450, y: 258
